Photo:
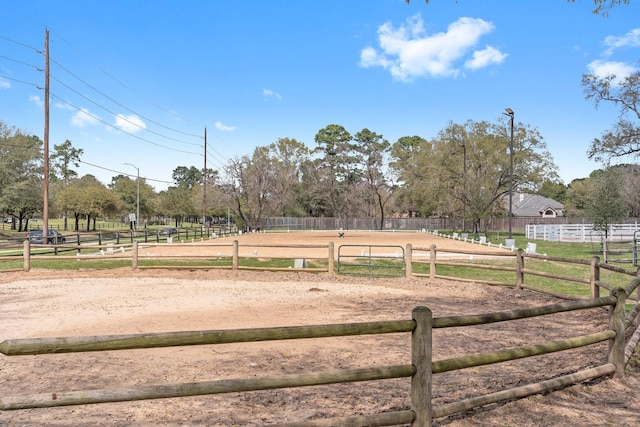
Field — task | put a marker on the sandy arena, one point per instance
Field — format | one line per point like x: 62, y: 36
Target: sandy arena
x: 110, y: 302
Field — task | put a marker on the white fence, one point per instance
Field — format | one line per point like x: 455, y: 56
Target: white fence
x: 581, y: 232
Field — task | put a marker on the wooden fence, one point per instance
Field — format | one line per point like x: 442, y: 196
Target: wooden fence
x: 231, y: 252
x: 420, y: 412
x: 230, y: 257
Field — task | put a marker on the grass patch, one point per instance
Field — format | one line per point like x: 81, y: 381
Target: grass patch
x: 373, y: 267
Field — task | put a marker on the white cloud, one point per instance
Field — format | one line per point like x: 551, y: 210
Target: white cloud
x: 409, y: 52
x: 485, y: 57
x: 268, y: 93
x: 131, y: 123
x: 631, y: 39
x: 35, y: 99
x: 606, y: 68
x: 84, y: 118
x: 221, y: 126
x: 63, y: 106
x: 4, y: 84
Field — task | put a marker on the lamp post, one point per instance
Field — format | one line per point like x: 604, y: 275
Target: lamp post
x: 511, y: 114
x: 137, y: 194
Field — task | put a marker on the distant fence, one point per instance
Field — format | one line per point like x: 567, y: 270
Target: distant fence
x: 500, y: 224
x: 420, y: 413
x: 580, y: 232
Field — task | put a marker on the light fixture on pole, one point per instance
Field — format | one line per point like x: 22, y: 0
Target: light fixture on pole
x: 137, y: 194
x: 511, y: 114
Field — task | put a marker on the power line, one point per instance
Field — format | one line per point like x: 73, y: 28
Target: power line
x: 20, y: 43
x: 219, y: 163
x: 125, y: 107
x: 20, y: 81
x: 123, y: 173
x: 128, y: 88
x: 124, y: 118
x: 123, y: 131
x: 21, y: 62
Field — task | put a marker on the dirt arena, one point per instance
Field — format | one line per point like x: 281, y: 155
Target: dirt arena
x: 95, y: 302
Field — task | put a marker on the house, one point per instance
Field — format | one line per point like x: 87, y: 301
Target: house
x: 533, y: 205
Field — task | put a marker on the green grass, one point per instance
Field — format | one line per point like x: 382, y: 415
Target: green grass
x: 393, y: 268
x: 52, y: 263
x: 373, y: 267
x: 574, y: 251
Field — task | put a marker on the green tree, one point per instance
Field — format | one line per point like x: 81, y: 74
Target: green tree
x: 606, y: 205
x: 374, y: 150
x: 287, y: 157
x: 465, y: 171
x: 338, y: 166
x: 126, y: 189
x: 577, y: 197
x: 411, y: 161
x: 190, y: 177
x: 553, y: 190
x: 87, y: 197
x: 23, y: 199
x: 176, y: 203
x: 20, y: 174
x: 630, y: 178
x: 64, y: 158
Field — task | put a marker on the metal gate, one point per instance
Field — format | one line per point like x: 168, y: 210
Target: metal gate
x: 371, y: 260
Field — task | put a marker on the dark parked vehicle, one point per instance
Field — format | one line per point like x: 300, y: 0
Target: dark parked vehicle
x: 54, y: 237
x: 168, y: 231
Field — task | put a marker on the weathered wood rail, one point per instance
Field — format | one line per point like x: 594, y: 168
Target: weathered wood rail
x: 419, y: 412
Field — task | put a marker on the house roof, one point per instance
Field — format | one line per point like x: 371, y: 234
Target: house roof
x: 533, y: 205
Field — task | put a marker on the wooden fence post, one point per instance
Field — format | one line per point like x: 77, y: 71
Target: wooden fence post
x: 330, y: 259
x: 408, y: 260
x: 519, y: 268
x: 616, y: 323
x: 432, y: 262
x: 26, y: 256
x: 134, y: 255
x: 421, y: 358
x: 595, y: 277
x: 234, y: 262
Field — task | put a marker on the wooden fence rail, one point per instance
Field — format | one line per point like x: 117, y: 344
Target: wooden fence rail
x: 421, y: 369
x: 412, y: 255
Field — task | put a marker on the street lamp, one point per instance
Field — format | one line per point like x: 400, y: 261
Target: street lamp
x: 511, y: 114
x: 137, y: 195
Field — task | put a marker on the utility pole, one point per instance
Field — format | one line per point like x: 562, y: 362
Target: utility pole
x: 204, y: 182
x: 45, y: 170
x: 511, y: 114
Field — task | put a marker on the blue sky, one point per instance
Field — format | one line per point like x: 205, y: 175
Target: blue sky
x: 138, y: 81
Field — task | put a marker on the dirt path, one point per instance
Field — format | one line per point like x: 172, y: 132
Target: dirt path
x: 92, y: 302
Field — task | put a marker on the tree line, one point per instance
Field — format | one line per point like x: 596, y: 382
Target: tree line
x: 463, y: 172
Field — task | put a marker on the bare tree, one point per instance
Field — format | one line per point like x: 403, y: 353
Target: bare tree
x: 624, y: 138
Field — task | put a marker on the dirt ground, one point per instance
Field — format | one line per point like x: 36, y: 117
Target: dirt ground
x: 96, y: 302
